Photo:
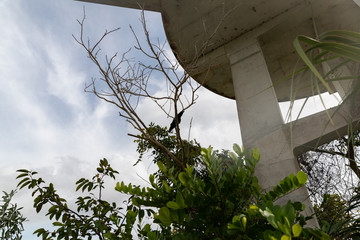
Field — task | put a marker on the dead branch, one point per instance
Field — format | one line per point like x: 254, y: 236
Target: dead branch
x: 125, y: 83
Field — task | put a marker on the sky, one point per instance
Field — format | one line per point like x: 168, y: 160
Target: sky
x: 50, y: 125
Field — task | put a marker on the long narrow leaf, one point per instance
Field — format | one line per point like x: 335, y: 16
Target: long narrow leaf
x: 308, y: 62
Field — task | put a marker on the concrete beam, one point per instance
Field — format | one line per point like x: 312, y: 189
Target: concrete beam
x: 150, y: 5
x: 311, y: 132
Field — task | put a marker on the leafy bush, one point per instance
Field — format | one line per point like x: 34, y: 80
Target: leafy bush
x: 93, y: 215
x: 11, y: 219
x: 217, y: 196
x: 220, y: 199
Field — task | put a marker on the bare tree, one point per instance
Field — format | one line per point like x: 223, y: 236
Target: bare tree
x: 333, y: 168
x: 125, y: 83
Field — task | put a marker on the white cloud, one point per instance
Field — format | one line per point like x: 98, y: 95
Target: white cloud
x: 215, y: 121
x: 48, y: 123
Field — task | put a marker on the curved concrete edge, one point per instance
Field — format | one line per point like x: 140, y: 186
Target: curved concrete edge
x: 148, y: 5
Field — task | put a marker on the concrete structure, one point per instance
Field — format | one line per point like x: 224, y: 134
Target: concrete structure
x: 245, y: 48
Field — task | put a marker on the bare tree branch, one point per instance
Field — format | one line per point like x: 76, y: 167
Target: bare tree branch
x: 125, y: 83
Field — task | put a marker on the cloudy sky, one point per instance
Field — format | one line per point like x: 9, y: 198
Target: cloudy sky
x: 49, y: 124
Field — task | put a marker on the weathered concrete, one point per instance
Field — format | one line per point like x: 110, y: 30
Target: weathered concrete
x: 312, y: 131
x: 193, y: 25
x: 149, y: 5
x: 249, y: 74
x: 274, y: 23
x: 261, y: 121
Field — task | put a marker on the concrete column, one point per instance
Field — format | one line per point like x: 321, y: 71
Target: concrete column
x: 261, y: 122
x: 257, y: 105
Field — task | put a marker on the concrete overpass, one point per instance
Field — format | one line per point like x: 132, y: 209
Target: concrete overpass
x: 246, y: 49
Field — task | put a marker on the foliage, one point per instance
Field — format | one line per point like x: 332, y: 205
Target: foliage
x: 349, y: 228
x: 339, y: 218
x: 215, y: 197
x: 326, y: 57
x: 223, y: 201
x: 11, y: 219
x: 93, y: 215
x: 333, y: 168
x: 338, y: 212
x: 329, y: 45
x: 190, y: 149
x: 331, y: 210
x: 333, y: 178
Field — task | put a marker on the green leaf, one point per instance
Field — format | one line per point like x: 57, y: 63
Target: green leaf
x: 25, y: 184
x: 299, y: 206
x: 284, y: 237
x: 253, y: 207
x: 38, y: 208
x: 166, y: 186
x: 295, y: 180
x: 243, y: 222
x: 117, y: 187
x: 57, y: 224
x: 172, y: 205
x: 269, y: 216
x: 302, y: 177
x: 289, y: 183
x: 180, y: 200
x: 296, y: 230
x: 256, y: 153
x: 24, y: 180
x: 22, y: 175
x: 288, y: 212
x: 164, y: 215
x: 307, y: 61
x: 151, y: 179
x: 152, y: 235
x: 282, y: 227
x: 183, y: 178
x: 232, y: 226
x: 162, y: 167
x: 237, y: 149
x: 233, y: 156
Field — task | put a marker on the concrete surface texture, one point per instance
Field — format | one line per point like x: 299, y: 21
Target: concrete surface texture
x: 242, y: 50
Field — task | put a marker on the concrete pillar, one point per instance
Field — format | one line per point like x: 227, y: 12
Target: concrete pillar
x: 261, y: 121
x: 255, y: 96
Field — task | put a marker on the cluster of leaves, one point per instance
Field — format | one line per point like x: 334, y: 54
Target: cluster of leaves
x: 188, y: 151
x: 339, y: 218
x: 334, y: 44
x: 11, y: 219
x: 331, y: 210
x: 93, y: 217
x: 332, y: 215
x: 223, y: 201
